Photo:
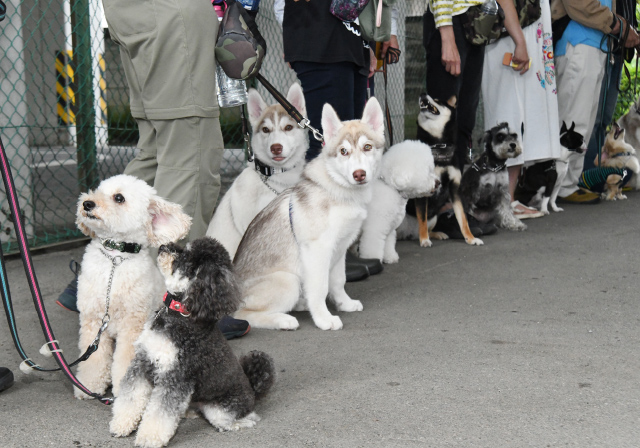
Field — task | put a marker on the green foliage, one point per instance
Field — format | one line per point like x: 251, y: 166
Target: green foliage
x: 627, y: 97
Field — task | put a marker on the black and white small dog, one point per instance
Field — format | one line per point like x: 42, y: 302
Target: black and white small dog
x: 540, y: 183
x: 437, y: 128
x: 484, y: 188
x: 183, y: 359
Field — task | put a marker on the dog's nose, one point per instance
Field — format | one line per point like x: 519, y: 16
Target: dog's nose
x: 512, y: 145
x: 360, y: 175
x: 88, y: 205
x: 276, y: 149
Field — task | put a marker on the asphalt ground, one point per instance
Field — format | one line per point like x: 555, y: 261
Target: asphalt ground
x: 531, y: 340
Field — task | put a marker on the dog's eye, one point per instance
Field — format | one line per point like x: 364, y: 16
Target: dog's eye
x: 500, y: 137
x: 368, y: 147
x: 288, y: 127
x: 265, y: 130
x: 118, y: 198
x: 344, y: 151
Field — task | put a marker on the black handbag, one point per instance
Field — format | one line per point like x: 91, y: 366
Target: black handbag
x: 482, y: 29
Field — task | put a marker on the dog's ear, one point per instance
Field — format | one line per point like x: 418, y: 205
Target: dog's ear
x: 331, y: 123
x: 373, y: 116
x: 573, y: 126
x: 453, y: 101
x: 168, y: 222
x: 563, y: 128
x: 296, y: 98
x: 255, y: 105
x: 486, y: 139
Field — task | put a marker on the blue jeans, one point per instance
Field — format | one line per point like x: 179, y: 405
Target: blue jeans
x: 339, y: 84
x: 603, y: 118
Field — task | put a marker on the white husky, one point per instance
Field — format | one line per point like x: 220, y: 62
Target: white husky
x: 279, y: 146
x: 293, y: 253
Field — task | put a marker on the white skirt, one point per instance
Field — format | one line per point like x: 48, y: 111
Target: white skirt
x: 529, y: 102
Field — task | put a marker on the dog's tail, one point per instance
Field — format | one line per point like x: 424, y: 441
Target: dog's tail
x: 259, y: 368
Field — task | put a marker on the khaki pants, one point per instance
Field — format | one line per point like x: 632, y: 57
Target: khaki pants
x: 580, y: 72
x: 167, y: 50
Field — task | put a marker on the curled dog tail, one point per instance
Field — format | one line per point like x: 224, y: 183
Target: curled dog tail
x: 259, y: 368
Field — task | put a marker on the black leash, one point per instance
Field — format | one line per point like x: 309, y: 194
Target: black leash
x: 52, y: 343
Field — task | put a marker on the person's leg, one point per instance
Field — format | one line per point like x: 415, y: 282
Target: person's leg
x: 604, y: 117
x: 579, y: 74
x: 145, y: 164
x: 189, y: 156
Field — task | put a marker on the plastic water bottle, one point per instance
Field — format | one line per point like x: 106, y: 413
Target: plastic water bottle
x: 490, y: 7
x: 231, y: 92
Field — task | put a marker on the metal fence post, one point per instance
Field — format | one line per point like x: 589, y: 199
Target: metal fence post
x: 86, y: 115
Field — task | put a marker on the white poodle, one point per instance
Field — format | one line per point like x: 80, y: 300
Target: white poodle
x: 120, y: 283
x: 408, y: 171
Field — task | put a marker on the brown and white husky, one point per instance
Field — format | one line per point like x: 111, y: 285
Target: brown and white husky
x: 279, y: 146
x: 293, y: 253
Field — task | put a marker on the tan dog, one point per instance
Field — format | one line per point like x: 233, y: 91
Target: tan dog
x: 616, y: 153
x: 120, y: 283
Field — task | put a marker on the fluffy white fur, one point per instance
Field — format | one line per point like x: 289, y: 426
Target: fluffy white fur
x: 293, y: 253
x: 278, y: 142
x: 407, y: 171
x: 122, y: 208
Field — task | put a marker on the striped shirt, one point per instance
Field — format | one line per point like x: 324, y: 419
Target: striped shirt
x: 444, y: 10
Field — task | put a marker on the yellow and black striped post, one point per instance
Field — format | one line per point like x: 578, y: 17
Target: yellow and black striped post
x: 103, y: 91
x: 66, y: 106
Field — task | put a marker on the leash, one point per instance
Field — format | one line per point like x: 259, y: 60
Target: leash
x: 303, y: 122
x: 52, y: 343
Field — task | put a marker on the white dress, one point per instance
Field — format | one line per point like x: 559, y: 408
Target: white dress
x: 529, y: 102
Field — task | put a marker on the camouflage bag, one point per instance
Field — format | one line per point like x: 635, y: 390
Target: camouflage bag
x: 482, y: 29
x: 240, y: 48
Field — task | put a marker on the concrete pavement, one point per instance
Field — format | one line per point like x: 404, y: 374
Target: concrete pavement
x: 531, y: 340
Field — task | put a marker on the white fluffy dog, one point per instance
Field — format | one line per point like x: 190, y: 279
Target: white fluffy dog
x: 279, y: 147
x: 120, y: 282
x: 407, y: 171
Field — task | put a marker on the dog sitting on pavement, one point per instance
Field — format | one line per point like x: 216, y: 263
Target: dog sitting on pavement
x: 279, y: 147
x: 484, y: 189
x: 540, y: 183
x: 120, y: 281
x: 407, y: 171
x: 182, y: 359
x: 437, y: 128
x: 293, y: 253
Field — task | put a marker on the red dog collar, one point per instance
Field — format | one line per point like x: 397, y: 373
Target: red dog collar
x: 174, y: 305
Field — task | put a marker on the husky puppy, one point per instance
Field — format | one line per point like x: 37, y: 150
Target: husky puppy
x: 293, y: 253
x: 279, y: 147
x: 437, y: 128
x: 618, y: 154
x: 484, y: 188
x: 407, y: 171
x: 540, y: 183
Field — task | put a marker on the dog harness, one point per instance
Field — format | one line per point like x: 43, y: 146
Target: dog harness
x: 595, y: 179
x: 171, y: 303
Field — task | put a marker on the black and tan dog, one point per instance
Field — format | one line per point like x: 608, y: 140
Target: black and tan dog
x: 437, y: 128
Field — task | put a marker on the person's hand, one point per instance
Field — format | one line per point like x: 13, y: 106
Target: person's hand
x: 633, y: 40
x: 450, y: 55
x: 521, y: 58
x: 373, y: 62
x: 392, y: 42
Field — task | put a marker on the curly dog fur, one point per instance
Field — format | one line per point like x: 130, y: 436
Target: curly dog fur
x: 183, y: 359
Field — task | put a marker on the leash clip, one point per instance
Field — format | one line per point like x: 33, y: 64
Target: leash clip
x: 305, y: 123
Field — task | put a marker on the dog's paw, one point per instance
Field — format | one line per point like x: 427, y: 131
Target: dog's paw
x: 475, y: 242
x: 122, y: 427
x: 438, y: 236
x: 82, y: 396
x: 332, y: 323
x: 622, y: 196
x: 426, y: 243
x: 350, y: 306
x: 286, y: 322
x: 545, y: 211
x: 555, y: 208
x: 391, y: 258
x: 151, y: 439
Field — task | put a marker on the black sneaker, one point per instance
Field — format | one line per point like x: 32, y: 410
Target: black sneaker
x: 69, y: 297
x: 233, y: 328
x: 6, y: 378
x: 448, y: 224
x: 373, y: 264
x: 356, y: 272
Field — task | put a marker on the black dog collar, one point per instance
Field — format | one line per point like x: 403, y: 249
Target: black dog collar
x: 131, y: 248
x: 171, y: 302
x: 486, y: 167
x: 622, y: 154
x: 267, y: 170
x: 439, y: 155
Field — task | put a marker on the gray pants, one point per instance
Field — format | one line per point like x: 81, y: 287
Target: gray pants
x: 167, y: 50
